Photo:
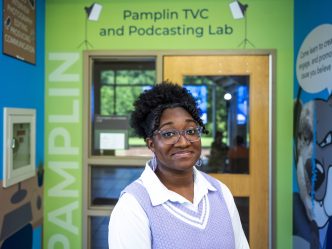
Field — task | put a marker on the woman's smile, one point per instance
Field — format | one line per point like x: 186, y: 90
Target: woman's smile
x: 182, y: 154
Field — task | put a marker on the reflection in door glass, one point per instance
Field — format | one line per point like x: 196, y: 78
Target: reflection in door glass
x: 99, y: 232
x: 224, y: 103
x: 107, y: 182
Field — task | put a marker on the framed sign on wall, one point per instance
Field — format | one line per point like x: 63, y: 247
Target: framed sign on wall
x: 19, y: 144
x: 19, y: 29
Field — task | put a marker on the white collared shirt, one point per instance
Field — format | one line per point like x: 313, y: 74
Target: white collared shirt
x: 129, y: 225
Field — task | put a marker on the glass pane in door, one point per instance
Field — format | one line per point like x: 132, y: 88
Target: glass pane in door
x: 242, y: 204
x: 224, y: 104
x: 107, y: 182
x: 116, y: 84
x: 99, y: 232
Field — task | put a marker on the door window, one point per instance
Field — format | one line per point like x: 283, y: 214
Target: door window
x: 224, y: 104
x: 117, y: 82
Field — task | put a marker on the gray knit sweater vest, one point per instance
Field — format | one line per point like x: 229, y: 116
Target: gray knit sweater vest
x: 174, y: 226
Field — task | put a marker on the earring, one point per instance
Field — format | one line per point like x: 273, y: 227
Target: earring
x: 154, y: 162
x: 199, y: 162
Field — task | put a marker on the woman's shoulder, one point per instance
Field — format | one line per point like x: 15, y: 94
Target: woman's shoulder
x: 216, y: 183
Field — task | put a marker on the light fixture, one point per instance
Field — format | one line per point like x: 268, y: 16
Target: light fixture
x: 227, y: 96
x: 238, y: 9
x: 93, y: 12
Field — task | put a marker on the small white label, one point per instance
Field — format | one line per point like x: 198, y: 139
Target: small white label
x: 112, y: 141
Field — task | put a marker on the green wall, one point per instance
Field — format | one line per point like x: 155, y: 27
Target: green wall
x: 270, y: 26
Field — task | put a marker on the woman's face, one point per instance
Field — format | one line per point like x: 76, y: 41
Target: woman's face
x: 182, y: 155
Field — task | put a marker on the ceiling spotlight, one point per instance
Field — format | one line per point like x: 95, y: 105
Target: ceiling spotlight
x: 93, y: 11
x: 238, y: 9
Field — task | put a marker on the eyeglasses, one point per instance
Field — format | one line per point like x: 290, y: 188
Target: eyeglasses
x: 172, y: 136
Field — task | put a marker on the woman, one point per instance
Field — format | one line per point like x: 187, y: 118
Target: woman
x: 172, y: 204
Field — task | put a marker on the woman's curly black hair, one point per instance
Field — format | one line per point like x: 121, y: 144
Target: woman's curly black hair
x: 149, y: 106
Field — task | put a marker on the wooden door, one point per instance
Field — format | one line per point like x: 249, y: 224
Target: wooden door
x: 255, y: 184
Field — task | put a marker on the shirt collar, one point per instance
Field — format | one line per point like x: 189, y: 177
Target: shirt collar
x: 160, y: 194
